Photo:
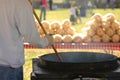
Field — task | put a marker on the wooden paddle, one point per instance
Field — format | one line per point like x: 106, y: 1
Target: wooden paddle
x: 58, y: 56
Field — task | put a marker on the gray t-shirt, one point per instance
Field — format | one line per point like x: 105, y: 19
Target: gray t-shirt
x: 16, y: 22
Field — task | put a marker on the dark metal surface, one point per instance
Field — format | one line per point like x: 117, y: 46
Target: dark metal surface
x: 43, y: 74
x: 83, y: 62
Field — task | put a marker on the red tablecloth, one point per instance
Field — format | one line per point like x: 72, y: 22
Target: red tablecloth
x: 109, y: 46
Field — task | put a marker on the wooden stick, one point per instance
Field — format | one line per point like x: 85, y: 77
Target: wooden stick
x: 58, y: 56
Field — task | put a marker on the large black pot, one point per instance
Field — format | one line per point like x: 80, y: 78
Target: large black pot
x: 79, y: 62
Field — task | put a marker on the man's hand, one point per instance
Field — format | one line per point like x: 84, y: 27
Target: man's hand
x: 50, y: 39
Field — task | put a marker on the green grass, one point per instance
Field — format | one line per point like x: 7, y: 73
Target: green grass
x: 59, y: 15
x: 29, y: 54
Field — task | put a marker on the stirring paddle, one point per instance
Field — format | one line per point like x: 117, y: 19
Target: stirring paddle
x: 58, y: 56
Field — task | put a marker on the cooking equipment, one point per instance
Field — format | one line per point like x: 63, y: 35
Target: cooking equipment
x: 77, y: 62
x: 39, y: 73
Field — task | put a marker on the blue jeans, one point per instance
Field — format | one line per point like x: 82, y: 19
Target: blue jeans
x: 8, y: 73
x: 43, y: 13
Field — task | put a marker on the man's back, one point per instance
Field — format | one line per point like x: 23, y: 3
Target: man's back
x: 16, y: 21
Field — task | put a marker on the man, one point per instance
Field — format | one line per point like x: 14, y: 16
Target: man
x: 104, y: 4
x: 50, y: 4
x: 16, y: 22
x: 72, y: 14
x: 82, y: 4
x: 43, y: 8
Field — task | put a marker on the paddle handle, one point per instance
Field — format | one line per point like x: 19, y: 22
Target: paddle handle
x: 58, y: 56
